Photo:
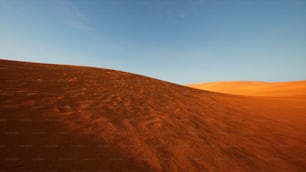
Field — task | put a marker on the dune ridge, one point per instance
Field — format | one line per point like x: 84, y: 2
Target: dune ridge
x: 72, y: 118
x: 255, y: 88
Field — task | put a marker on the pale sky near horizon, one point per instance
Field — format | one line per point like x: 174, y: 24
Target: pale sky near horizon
x: 180, y: 41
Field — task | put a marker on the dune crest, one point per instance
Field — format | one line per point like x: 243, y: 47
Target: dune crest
x: 71, y: 118
x: 252, y: 88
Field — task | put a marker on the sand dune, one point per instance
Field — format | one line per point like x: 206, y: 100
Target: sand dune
x: 70, y: 118
x: 297, y: 88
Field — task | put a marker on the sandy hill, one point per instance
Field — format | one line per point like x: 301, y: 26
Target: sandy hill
x: 297, y: 88
x: 70, y: 118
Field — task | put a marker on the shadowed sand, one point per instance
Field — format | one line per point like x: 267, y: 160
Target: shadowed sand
x: 297, y: 88
x: 70, y: 118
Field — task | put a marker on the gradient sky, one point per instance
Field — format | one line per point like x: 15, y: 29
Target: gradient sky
x: 181, y: 41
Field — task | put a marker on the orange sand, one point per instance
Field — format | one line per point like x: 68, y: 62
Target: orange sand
x: 296, y: 88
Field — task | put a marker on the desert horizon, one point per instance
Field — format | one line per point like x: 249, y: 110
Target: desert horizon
x: 208, y: 85
x: 255, y: 88
x: 152, y: 86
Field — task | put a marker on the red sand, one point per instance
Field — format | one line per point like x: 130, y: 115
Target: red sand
x: 69, y: 118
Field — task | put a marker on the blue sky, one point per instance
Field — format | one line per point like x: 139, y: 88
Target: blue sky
x: 181, y: 41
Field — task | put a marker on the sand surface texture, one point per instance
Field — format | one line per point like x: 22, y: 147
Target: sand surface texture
x: 70, y: 118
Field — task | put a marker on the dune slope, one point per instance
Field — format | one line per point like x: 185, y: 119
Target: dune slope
x: 70, y: 118
x: 276, y: 89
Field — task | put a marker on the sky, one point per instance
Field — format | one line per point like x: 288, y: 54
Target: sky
x: 180, y: 41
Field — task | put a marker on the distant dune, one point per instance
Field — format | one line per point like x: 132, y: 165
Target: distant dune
x: 71, y: 118
x: 297, y: 88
